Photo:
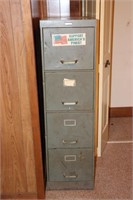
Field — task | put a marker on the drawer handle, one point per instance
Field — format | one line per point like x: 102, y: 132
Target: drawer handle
x: 69, y: 142
x: 71, y: 176
x: 70, y: 103
x: 72, y: 62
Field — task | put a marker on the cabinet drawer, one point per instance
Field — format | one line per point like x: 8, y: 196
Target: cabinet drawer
x: 70, y: 130
x: 69, y: 91
x: 71, y: 48
x: 70, y: 165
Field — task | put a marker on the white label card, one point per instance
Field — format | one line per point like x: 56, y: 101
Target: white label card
x: 69, y: 82
x: 72, y: 39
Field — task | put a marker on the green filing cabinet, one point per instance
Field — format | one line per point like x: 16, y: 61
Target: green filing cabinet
x: 68, y: 68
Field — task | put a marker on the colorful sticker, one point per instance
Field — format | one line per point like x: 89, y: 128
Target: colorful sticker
x: 74, y: 39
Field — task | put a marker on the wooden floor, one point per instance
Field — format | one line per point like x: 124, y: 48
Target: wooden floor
x: 114, y: 178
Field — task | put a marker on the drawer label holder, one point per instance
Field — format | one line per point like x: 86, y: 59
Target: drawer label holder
x: 69, y: 122
x: 70, y: 158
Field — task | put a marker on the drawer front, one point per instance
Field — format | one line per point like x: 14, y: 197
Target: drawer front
x: 69, y: 91
x: 71, y: 48
x: 70, y: 130
x: 70, y: 165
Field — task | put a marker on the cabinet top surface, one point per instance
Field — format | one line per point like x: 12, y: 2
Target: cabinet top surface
x: 67, y: 22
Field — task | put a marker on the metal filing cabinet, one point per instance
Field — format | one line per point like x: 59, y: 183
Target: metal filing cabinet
x: 68, y: 66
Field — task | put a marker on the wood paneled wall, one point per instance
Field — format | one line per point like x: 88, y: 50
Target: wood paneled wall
x: 56, y: 8
x: 76, y: 8
x: 38, y: 11
x: 21, y: 165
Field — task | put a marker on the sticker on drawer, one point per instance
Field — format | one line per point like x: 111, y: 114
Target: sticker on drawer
x: 69, y: 82
x: 73, y: 39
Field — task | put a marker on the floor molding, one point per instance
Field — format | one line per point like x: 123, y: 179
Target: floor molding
x: 121, y: 112
x: 120, y: 142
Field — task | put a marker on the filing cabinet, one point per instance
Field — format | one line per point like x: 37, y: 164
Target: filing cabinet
x: 68, y: 68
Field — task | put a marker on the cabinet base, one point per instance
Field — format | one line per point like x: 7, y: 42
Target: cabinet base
x: 83, y: 185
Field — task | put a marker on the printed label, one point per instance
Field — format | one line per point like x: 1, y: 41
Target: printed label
x: 73, y: 39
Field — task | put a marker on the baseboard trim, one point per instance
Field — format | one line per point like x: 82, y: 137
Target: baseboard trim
x: 121, y: 112
x: 19, y: 196
x: 120, y: 142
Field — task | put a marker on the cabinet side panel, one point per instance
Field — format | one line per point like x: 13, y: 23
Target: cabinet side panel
x: 33, y: 95
x: 13, y: 167
x: 21, y: 67
x: 19, y: 116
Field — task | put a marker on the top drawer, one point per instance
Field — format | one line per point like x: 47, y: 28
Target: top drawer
x: 68, y: 48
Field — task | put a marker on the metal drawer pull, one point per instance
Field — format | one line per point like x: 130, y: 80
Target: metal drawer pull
x: 70, y: 176
x: 69, y: 142
x: 70, y: 103
x: 72, y: 62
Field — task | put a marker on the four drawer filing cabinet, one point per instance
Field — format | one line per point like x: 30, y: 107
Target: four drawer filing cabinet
x: 68, y: 68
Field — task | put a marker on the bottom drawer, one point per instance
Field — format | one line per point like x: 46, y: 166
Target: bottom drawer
x: 70, y: 165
